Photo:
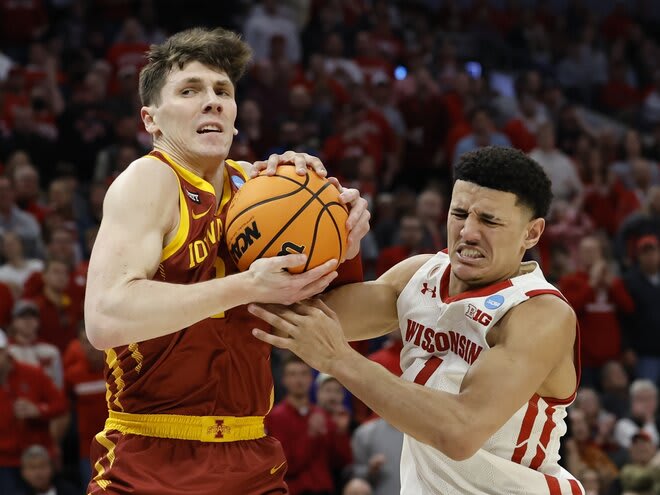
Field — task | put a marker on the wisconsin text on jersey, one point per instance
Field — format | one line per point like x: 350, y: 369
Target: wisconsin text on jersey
x: 440, y: 341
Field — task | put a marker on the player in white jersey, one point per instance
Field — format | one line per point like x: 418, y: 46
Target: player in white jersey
x: 490, y: 353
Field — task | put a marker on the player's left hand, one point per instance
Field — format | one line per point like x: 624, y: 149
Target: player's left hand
x: 300, y: 160
x: 357, y: 223
x: 358, y: 218
x: 313, y: 329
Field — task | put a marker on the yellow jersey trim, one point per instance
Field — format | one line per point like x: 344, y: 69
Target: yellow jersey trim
x: 109, y: 455
x: 181, y: 427
x: 114, y: 365
x: 237, y: 166
x: 195, y: 180
x: 182, y: 231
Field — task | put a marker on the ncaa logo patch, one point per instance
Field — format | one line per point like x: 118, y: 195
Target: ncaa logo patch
x: 238, y: 181
x: 494, y: 302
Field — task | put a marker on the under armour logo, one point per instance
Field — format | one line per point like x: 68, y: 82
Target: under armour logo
x: 426, y: 288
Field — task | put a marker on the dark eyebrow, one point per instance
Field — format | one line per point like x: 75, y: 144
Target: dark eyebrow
x: 483, y: 216
x: 191, y: 80
x: 488, y: 216
x: 197, y: 80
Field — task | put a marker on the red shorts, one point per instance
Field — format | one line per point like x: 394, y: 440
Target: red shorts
x: 123, y: 464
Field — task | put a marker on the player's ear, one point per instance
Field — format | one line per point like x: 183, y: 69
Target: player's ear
x: 149, y: 119
x: 533, y: 232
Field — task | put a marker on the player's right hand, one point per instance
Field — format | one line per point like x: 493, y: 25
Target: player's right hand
x: 271, y: 283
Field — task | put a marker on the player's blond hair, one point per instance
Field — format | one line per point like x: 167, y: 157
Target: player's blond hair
x: 217, y: 48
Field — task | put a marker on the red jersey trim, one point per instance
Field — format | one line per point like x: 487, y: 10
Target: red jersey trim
x: 575, y: 487
x: 526, y: 429
x: 480, y: 292
x: 553, y: 485
x: 542, y: 446
x: 552, y: 401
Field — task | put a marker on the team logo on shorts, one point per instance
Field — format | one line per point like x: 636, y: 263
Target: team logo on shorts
x: 238, y: 181
x: 494, y: 302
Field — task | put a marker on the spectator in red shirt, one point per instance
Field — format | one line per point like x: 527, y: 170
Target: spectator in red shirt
x: 618, y: 96
x: 430, y: 210
x: 61, y: 245
x: 28, y: 401
x: 309, y: 437
x: 26, y: 346
x: 25, y: 179
x: 59, y: 311
x: 523, y: 127
x: 389, y: 355
x: 6, y: 304
x: 411, y: 237
x: 129, y: 48
x: 597, y: 295
x: 85, y: 383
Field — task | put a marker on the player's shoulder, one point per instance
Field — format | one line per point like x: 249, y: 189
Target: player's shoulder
x: 400, y: 274
x: 145, y: 177
x: 546, y: 311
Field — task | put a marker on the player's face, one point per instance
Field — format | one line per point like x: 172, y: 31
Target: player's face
x: 195, y: 117
x: 488, y: 234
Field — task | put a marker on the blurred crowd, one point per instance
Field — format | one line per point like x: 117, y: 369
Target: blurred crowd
x: 389, y: 94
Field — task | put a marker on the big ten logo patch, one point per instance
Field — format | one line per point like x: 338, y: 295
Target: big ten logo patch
x: 477, y: 315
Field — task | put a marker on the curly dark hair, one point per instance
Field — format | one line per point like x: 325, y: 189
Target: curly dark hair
x: 509, y: 170
x: 217, y: 48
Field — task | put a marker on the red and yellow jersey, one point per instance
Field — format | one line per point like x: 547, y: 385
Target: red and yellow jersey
x: 212, y: 368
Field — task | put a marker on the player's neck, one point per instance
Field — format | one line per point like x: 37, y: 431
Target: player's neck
x: 208, y: 168
x: 458, y: 286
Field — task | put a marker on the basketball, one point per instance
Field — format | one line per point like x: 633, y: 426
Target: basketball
x: 286, y: 213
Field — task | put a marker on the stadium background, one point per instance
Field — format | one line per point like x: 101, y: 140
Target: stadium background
x: 388, y: 94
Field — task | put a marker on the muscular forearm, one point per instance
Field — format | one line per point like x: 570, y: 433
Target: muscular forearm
x: 430, y: 416
x: 145, y: 309
x: 350, y: 301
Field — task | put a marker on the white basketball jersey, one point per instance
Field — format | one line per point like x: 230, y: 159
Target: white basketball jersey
x: 442, y: 337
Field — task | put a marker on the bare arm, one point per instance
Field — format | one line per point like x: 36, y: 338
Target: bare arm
x: 368, y: 309
x: 534, y: 355
x: 124, y: 305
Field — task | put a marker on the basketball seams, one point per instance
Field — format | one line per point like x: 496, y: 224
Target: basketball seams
x: 293, y: 218
x: 311, y: 191
x: 298, y: 209
x: 303, y: 186
x: 319, y: 217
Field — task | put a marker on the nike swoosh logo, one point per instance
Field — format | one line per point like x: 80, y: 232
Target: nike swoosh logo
x: 197, y: 216
x: 275, y: 469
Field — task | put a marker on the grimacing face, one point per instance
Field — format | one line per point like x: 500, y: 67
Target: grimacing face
x: 194, y: 119
x: 487, y: 234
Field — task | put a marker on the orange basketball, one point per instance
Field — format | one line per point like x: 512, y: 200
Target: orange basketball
x: 286, y: 213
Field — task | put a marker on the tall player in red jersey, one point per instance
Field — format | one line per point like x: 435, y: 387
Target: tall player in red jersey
x: 187, y: 385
